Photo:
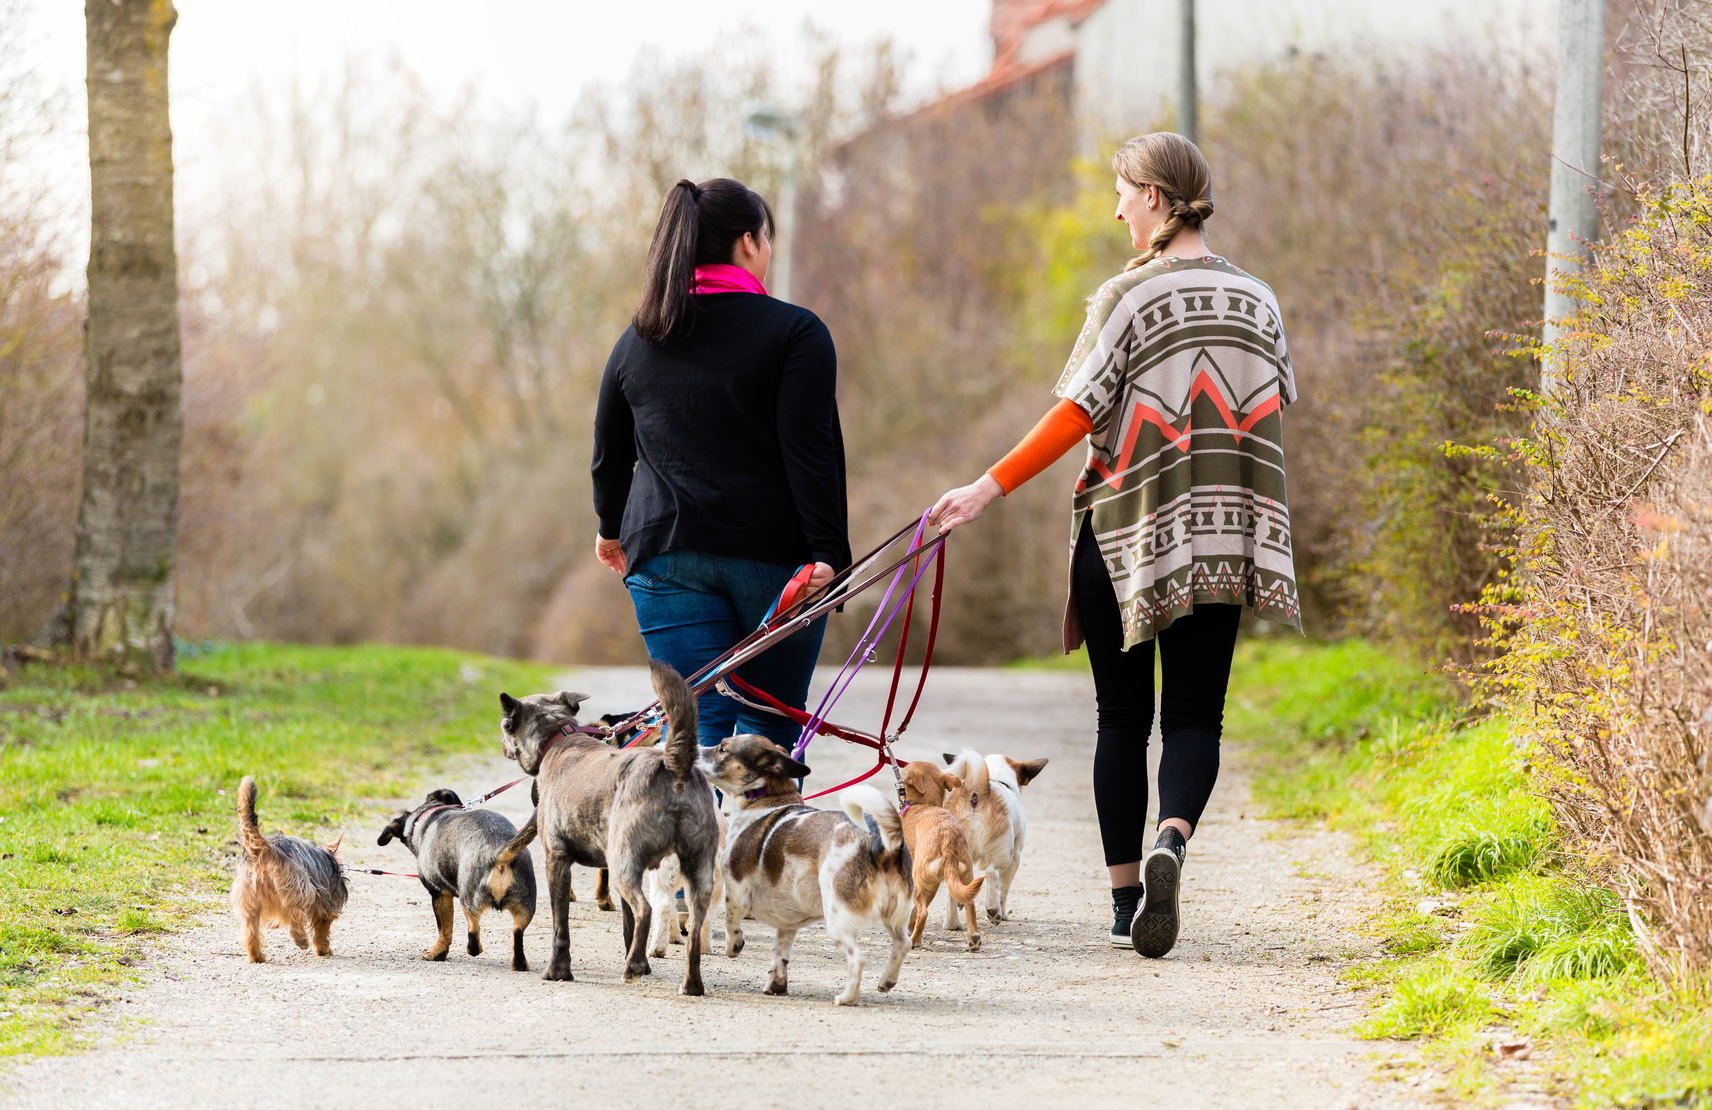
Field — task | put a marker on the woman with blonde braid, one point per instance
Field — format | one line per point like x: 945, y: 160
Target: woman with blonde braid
x: 1179, y: 520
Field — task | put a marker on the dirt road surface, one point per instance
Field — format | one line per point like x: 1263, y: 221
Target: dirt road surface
x: 1248, y: 1011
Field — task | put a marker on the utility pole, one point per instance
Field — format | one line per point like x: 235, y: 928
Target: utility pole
x: 775, y: 123
x: 1576, y: 118
x: 1187, y: 95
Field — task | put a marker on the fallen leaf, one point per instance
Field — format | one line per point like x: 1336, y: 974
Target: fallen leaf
x: 1513, y: 1050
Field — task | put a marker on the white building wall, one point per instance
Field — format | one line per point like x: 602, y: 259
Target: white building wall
x: 1127, y: 50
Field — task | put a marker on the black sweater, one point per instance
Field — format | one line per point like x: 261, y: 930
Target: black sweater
x: 725, y: 441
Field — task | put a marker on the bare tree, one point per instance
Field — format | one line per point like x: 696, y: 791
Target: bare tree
x: 120, y: 601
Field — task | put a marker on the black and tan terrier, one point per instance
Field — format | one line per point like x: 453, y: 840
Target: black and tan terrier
x: 455, y: 849
x: 284, y: 881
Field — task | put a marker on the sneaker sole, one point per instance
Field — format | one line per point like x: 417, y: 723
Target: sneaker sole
x: 1153, y: 933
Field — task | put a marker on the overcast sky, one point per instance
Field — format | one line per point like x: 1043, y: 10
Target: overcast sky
x: 539, y: 52
x: 516, y: 51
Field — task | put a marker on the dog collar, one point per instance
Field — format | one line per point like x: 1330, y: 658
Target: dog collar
x: 412, y: 826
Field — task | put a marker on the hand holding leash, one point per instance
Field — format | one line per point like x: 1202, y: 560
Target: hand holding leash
x: 964, y: 504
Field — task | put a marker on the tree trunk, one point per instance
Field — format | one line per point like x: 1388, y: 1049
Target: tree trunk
x: 120, y: 602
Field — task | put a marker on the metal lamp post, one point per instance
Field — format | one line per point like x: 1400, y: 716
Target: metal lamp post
x: 776, y: 124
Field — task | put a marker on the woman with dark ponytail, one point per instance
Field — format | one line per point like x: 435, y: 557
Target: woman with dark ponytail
x: 718, y: 455
x: 1179, y: 521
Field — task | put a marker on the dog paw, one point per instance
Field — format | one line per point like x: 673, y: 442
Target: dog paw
x: 995, y: 916
x: 975, y: 943
x: 633, y: 972
x: 558, y: 973
x: 693, y: 990
x: 301, y: 942
x: 607, y: 905
x: 885, y: 988
x: 734, y: 947
x: 774, y: 986
x: 474, y: 948
x: 438, y: 957
x: 520, y: 965
x: 843, y: 1001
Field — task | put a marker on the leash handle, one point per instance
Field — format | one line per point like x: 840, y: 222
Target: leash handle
x: 791, y: 594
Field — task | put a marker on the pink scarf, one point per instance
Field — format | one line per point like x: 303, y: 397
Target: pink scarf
x: 723, y: 277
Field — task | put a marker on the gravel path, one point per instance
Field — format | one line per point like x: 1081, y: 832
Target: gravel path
x: 1247, y: 1011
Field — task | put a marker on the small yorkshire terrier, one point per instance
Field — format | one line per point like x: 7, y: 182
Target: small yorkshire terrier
x: 284, y: 880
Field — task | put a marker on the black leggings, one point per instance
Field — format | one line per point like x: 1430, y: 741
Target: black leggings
x: 1195, y: 655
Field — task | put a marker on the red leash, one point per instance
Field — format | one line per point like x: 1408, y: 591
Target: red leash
x: 881, y: 743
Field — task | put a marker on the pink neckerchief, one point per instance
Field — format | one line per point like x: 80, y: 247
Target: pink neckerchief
x: 723, y: 277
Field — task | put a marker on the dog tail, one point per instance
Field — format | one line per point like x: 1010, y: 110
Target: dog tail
x: 249, y: 832
x: 500, y: 876
x: 955, y: 864
x: 865, y: 801
x: 680, y: 706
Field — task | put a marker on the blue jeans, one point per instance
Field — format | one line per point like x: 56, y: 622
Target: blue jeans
x: 693, y: 607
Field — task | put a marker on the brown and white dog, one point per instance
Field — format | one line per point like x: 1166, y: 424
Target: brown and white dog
x: 993, y: 820
x: 938, y: 846
x: 625, y: 809
x: 790, y: 864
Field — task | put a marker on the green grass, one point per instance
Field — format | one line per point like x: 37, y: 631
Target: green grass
x: 116, y: 797
x: 1489, y: 927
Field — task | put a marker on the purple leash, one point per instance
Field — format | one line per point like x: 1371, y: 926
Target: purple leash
x: 864, y: 646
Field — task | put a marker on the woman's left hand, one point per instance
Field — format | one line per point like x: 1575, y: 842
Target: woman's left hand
x: 819, y: 576
x: 965, y: 503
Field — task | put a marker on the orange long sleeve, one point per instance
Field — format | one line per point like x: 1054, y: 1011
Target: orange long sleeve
x: 1062, y: 428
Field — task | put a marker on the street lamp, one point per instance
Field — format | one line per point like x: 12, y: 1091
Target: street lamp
x: 777, y: 125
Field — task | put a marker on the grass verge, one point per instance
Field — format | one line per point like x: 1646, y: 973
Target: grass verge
x: 1499, y: 946
x: 116, y: 797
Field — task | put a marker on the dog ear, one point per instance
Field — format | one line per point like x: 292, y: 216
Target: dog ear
x: 572, y: 701
x: 1026, y: 769
x: 442, y: 796
x: 948, y: 757
x: 333, y: 848
x: 395, y: 829
x: 508, y: 703
x: 913, y: 775
x: 784, y: 767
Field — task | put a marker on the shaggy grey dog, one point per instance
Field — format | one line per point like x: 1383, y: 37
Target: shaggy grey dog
x: 624, y: 809
x: 455, y: 849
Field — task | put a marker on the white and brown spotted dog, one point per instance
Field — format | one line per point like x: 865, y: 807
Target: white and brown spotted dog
x: 791, y: 865
x: 993, y: 820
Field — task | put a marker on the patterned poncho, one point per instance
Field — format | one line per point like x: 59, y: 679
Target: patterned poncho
x: 1183, y: 369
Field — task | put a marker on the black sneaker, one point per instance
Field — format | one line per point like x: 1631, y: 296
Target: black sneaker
x: 1154, y: 930
x: 1124, y: 901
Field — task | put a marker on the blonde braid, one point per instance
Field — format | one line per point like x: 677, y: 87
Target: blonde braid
x: 1177, y: 168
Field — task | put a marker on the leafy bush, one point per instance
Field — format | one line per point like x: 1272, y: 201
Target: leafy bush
x: 1610, y: 664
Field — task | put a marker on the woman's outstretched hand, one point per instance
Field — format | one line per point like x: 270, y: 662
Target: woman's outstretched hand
x: 964, y: 504
x: 609, y: 553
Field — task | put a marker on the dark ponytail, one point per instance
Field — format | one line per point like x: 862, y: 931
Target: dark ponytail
x: 699, y: 225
